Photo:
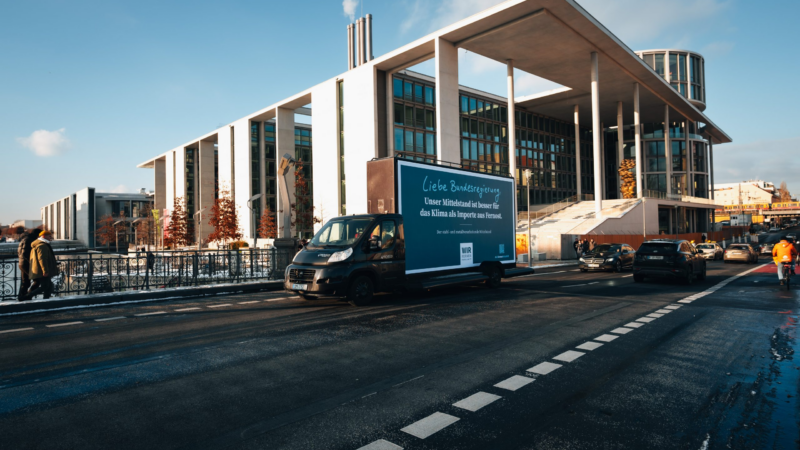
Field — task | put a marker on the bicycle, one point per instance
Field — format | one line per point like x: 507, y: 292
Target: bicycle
x: 787, y: 275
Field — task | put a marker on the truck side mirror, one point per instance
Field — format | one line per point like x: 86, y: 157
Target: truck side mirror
x: 374, y: 243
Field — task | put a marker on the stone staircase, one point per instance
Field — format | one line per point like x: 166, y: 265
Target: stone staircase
x: 579, y: 218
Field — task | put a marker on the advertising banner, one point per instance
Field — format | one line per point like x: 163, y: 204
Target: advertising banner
x: 454, y: 218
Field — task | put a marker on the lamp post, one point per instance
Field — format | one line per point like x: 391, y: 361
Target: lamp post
x: 250, y: 205
x: 528, y: 195
x: 116, y: 232
x: 198, y: 223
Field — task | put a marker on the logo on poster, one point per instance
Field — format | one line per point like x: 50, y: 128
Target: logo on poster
x: 466, y: 254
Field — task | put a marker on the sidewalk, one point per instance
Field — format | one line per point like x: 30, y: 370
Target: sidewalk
x: 550, y: 263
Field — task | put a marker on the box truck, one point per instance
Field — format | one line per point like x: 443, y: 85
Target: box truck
x: 426, y: 226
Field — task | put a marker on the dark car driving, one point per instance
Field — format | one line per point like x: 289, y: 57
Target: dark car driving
x: 668, y: 258
x: 613, y: 257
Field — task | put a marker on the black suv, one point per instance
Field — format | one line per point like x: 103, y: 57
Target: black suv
x: 669, y: 258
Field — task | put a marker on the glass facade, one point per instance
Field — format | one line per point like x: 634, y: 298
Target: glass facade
x: 684, y: 71
x: 305, y: 202
x: 414, y: 119
x: 190, y: 170
x: 343, y: 191
x: 270, y: 171
x: 255, y: 167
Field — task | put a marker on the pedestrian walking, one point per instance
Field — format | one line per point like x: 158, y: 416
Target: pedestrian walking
x: 577, y: 246
x: 43, y: 266
x: 24, y: 254
x: 592, y: 244
x: 585, y: 247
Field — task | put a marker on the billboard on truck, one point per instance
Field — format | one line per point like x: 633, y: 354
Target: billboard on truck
x: 455, y: 218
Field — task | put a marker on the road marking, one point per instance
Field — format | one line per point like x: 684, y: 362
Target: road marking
x: 622, y: 330
x: 220, y: 306
x: 634, y: 324
x: 645, y: 319
x: 408, y: 381
x: 575, y: 285
x: 544, y: 368
x: 151, y: 314
x: 477, y: 401
x: 250, y: 302
x: 686, y: 301
x: 430, y: 425
x: 65, y: 324
x: 106, y: 319
x: 589, y: 346
x: 381, y: 445
x: 655, y: 315
x: 664, y: 311
x: 596, y: 282
x: 514, y: 383
x: 279, y: 299
x: 569, y: 356
x: 627, y: 276
x: 538, y: 274
x: 672, y: 307
x: 369, y: 395
x: 606, y: 338
x: 15, y: 330
x: 187, y: 309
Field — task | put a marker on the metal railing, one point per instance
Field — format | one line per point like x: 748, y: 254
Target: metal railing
x: 555, y: 207
x: 92, y: 273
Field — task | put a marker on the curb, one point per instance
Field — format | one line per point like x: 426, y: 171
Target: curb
x: 140, y: 296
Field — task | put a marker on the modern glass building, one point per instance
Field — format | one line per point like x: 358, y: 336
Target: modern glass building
x: 639, y: 112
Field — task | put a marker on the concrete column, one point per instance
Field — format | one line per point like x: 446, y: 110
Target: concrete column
x: 689, y: 160
x: 206, y: 188
x: 668, y: 149
x: 512, y: 122
x: 390, y: 113
x: 447, y: 135
x: 160, y: 198
x: 638, y: 139
x: 577, y: 153
x: 603, y: 173
x: 711, y: 165
x: 284, y: 133
x: 596, y: 130
x: 620, y: 147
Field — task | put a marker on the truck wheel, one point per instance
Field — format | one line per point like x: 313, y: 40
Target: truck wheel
x: 495, y: 277
x: 361, y: 291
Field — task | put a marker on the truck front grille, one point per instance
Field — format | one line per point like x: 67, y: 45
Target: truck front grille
x: 301, y: 275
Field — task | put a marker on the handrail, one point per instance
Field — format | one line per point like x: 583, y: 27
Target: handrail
x: 558, y: 206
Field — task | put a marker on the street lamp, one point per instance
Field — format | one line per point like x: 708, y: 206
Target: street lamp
x: 527, y: 173
x: 200, y: 222
x: 250, y: 205
x: 116, y: 232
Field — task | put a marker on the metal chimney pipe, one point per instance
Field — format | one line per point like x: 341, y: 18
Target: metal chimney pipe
x: 359, y: 42
x: 350, y: 46
x: 368, y: 56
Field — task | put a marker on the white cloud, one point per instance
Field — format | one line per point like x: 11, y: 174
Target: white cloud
x: 46, y: 143
x: 775, y: 161
x: 349, y: 7
x: 121, y: 189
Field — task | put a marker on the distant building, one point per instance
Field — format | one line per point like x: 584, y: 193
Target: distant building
x: 746, y: 193
x: 26, y: 223
x: 75, y: 216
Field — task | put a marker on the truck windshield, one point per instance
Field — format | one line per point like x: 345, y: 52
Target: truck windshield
x: 340, y: 233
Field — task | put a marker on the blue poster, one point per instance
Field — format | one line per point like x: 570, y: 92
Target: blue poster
x: 454, y: 218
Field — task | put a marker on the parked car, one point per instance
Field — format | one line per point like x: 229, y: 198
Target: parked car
x: 710, y: 250
x: 741, y: 253
x: 766, y: 249
x: 791, y: 236
x: 613, y: 257
x: 668, y: 258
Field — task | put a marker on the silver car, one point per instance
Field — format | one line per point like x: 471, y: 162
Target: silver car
x: 742, y: 253
x: 710, y: 250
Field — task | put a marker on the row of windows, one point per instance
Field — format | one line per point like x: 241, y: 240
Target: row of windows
x: 417, y: 117
x: 414, y: 141
x: 414, y: 91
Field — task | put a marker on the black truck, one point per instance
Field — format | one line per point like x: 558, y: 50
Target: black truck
x: 427, y: 226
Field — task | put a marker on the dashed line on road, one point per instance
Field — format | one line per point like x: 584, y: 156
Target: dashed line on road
x: 15, y: 330
x: 590, y: 346
x: 150, y: 314
x: 514, y: 383
x: 381, y: 444
x: 605, y: 338
x: 220, y: 306
x: 107, y: 319
x: 477, y: 401
x: 569, y: 356
x: 408, y: 381
x: 430, y: 425
x: 645, y: 319
x: 250, y: 302
x: 634, y: 324
x: 188, y: 309
x: 65, y: 324
x: 544, y: 368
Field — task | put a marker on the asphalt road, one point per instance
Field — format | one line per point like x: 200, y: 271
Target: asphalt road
x: 556, y: 360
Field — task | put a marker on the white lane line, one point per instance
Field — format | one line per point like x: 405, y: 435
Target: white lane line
x: 655, y: 315
x: 106, y: 319
x: 596, y: 282
x: 686, y: 301
x: 672, y: 307
x: 627, y: 276
x: 430, y: 425
x: 634, y: 324
x: 151, y: 314
x: 65, y: 324
x: 369, y: 395
x: 589, y: 346
x: 539, y: 274
x: 476, y: 401
x: 645, y: 319
x: 664, y: 311
x: 408, y: 381
x: 220, y: 306
x: 622, y: 330
x: 279, y: 299
x: 576, y: 285
x: 15, y: 330
x: 514, y: 383
x: 569, y: 356
x: 381, y: 445
x: 188, y: 309
x: 606, y: 338
x: 544, y: 368
x: 250, y: 302
x: 720, y: 285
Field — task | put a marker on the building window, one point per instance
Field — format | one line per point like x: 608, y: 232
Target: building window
x: 342, y: 190
x: 305, y: 203
x: 270, y: 172
x: 415, y: 120
x: 189, y: 169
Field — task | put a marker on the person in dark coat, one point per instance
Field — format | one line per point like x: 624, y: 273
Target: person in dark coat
x: 585, y: 246
x: 577, y: 246
x: 24, y: 255
x: 43, y: 266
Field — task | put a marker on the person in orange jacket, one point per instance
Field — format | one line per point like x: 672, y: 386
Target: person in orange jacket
x: 784, y: 253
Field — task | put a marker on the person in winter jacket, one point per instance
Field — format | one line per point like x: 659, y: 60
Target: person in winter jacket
x: 43, y: 266
x: 24, y: 255
x: 783, y: 253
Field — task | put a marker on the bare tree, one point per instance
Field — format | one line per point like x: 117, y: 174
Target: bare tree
x: 783, y: 192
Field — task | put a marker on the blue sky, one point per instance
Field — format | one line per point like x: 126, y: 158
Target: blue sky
x: 90, y: 89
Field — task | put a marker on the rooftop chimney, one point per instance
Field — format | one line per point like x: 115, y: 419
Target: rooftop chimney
x: 350, y: 46
x: 360, y: 41
x: 368, y: 55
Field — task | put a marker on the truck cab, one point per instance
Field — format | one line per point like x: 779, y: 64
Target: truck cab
x: 351, y: 256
